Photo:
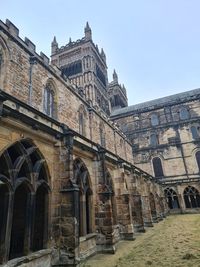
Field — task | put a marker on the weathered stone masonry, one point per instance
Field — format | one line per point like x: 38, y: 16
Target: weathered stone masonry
x: 68, y: 184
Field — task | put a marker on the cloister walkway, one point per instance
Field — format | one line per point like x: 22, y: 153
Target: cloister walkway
x: 174, y: 242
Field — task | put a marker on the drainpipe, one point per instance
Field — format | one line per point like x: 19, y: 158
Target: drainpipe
x: 32, y: 61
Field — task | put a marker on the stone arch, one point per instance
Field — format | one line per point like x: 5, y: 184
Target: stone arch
x: 82, y: 180
x: 24, y: 170
x: 191, y: 197
x: 50, y: 99
x: 172, y: 198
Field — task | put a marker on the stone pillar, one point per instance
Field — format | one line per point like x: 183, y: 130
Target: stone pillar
x: 123, y: 207
x: 104, y: 212
x: 124, y: 217
x: 146, y: 211
x: 67, y: 252
x: 136, y: 208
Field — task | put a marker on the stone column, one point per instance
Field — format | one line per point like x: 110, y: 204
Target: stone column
x: 146, y: 211
x: 123, y: 207
x: 104, y: 217
x: 67, y: 252
x: 136, y: 207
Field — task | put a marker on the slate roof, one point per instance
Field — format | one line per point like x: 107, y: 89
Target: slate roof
x: 158, y: 103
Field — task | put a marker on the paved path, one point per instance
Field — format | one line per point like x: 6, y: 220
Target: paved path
x: 174, y: 242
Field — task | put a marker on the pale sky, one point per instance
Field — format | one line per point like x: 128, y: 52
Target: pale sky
x: 154, y: 45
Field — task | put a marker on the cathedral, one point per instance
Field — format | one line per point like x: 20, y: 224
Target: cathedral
x: 81, y: 170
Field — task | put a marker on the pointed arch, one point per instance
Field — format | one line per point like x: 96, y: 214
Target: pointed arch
x: 82, y: 180
x: 172, y: 198
x: 50, y: 99
x: 191, y: 197
x: 24, y: 172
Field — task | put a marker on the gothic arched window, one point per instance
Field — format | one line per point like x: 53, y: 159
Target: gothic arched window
x: 197, y: 155
x: 82, y: 179
x: 49, y: 101
x: 23, y: 168
x: 157, y: 166
x: 172, y: 198
x: 184, y: 113
x: 194, y: 131
x: 154, y: 120
x: 191, y: 197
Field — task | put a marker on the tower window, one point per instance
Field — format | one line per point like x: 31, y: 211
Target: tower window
x: 72, y: 69
x: 100, y: 75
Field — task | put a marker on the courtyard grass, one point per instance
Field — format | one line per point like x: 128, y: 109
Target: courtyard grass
x: 174, y: 242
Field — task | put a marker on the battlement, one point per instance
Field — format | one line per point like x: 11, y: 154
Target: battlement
x: 27, y: 44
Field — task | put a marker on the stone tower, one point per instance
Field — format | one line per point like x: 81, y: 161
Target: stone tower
x: 117, y: 93
x: 85, y: 67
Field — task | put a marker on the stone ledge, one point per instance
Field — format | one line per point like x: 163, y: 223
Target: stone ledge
x: 87, y: 237
x: 26, y: 259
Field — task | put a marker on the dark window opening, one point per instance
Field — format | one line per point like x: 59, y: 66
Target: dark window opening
x: 28, y: 226
x: 100, y: 75
x: 49, y: 104
x: 18, y: 244
x: 81, y: 176
x: 41, y: 204
x: 157, y: 166
x: 172, y: 198
x: 194, y: 131
x: 24, y: 171
x: 72, y: 69
x: 191, y: 197
x: 197, y: 155
x: 4, y: 168
x: 3, y: 218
